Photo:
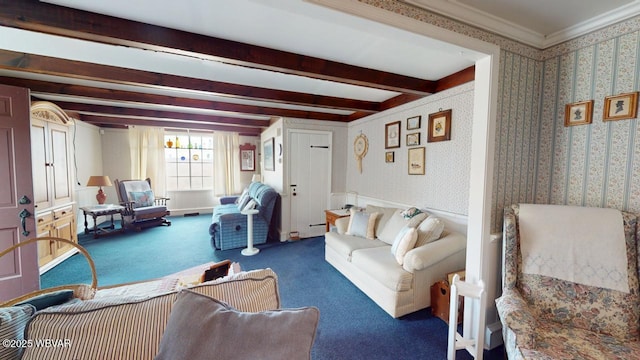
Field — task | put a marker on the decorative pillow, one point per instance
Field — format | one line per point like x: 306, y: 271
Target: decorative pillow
x: 250, y: 205
x: 13, y: 320
x: 141, y: 198
x: 429, y: 230
x: 49, y: 299
x: 411, y: 212
x: 396, y: 223
x: 405, y: 241
x: 362, y: 224
x: 242, y: 199
x: 384, y: 214
x: 200, y: 327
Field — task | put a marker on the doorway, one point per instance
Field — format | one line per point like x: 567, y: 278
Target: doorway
x: 309, y: 181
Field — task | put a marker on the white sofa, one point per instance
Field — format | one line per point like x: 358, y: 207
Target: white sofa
x: 370, y: 265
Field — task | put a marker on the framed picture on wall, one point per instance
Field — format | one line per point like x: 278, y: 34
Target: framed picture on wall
x: 267, y: 151
x: 247, y: 157
x: 392, y: 135
x: 413, y: 139
x: 620, y: 107
x: 413, y: 122
x: 416, y: 161
x: 389, y: 157
x: 439, y: 126
x: 578, y: 113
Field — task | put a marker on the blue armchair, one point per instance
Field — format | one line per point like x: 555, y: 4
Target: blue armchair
x: 228, y: 227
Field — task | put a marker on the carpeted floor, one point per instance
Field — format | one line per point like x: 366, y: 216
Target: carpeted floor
x: 351, y: 325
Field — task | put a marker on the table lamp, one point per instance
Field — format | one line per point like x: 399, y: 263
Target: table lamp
x: 99, y: 181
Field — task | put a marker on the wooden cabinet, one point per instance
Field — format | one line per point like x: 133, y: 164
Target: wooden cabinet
x: 52, y: 182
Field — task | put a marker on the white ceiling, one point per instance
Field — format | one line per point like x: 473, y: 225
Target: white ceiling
x: 305, y: 28
x: 540, y: 23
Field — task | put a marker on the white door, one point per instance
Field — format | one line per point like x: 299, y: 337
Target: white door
x: 309, y: 180
x: 18, y: 270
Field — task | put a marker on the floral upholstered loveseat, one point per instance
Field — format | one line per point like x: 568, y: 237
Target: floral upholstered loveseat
x: 545, y: 317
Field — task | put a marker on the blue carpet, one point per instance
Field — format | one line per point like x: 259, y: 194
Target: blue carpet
x: 351, y: 325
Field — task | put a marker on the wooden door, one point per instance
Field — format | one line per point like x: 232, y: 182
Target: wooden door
x: 18, y: 270
x: 60, y: 186
x: 310, y: 181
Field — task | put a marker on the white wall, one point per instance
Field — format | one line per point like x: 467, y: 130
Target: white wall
x: 445, y: 185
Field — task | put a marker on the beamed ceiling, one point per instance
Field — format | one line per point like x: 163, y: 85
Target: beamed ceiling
x: 113, y: 95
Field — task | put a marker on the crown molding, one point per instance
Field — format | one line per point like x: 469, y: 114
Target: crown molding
x: 500, y: 26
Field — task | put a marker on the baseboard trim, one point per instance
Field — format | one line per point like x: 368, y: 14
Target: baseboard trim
x: 50, y: 265
x: 493, y: 335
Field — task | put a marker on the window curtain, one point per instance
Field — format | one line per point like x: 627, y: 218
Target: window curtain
x: 147, y: 156
x: 226, y: 163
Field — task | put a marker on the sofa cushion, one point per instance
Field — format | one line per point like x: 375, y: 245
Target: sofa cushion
x: 430, y: 229
x: 362, y: 223
x: 396, y: 223
x: 385, y: 214
x: 405, y: 241
x: 200, y: 326
x: 13, y: 320
x: 255, y: 290
x: 114, y: 328
x: 142, y: 198
x: 380, y: 264
x: 346, y: 244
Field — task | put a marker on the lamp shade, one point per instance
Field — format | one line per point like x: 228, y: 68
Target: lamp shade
x: 99, y: 181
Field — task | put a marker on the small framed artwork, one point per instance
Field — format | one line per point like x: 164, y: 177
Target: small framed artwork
x: 267, y: 151
x: 413, y: 122
x: 413, y: 139
x: 578, y: 113
x: 392, y: 135
x: 416, y: 161
x: 439, y: 126
x: 247, y: 157
x: 620, y: 107
x: 389, y: 157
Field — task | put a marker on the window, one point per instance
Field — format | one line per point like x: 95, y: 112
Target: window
x: 189, y: 160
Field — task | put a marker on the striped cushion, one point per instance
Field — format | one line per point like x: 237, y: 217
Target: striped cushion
x: 249, y: 291
x: 102, y: 329
x: 131, y: 327
x: 12, y: 323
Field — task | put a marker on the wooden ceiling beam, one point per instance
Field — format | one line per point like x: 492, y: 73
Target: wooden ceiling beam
x: 137, y: 97
x: 159, y: 114
x: 120, y: 122
x: 58, y: 20
x: 39, y: 64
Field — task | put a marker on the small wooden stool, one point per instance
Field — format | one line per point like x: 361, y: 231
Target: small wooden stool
x: 475, y: 347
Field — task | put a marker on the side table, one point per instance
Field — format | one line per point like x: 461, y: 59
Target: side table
x: 102, y: 210
x: 250, y: 250
x: 333, y: 215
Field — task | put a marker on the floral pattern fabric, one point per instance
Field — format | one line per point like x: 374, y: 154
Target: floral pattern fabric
x: 548, y: 318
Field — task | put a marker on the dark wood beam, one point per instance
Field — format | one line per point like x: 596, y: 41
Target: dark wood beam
x: 32, y: 63
x: 459, y: 78
x: 121, y: 122
x: 46, y: 87
x: 159, y: 114
x: 42, y: 17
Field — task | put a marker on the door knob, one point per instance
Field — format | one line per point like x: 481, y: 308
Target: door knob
x: 24, y: 200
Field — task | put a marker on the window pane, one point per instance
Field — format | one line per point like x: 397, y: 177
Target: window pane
x: 196, y: 183
x: 172, y: 183
x: 196, y: 155
x: 207, y: 155
x: 196, y: 169
x: 184, y: 183
x: 183, y: 155
x: 172, y: 169
x: 207, y: 182
x: 207, y: 169
x: 183, y: 169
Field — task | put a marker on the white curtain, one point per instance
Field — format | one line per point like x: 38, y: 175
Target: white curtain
x: 147, y: 156
x: 226, y: 163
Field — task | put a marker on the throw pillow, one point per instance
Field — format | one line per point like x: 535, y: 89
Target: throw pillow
x: 429, y: 230
x: 216, y: 328
x: 49, y: 299
x: 12, y: 323
x: 141, y: 198
x: 251, y: 204
x: 243, y: 197
x: 396, y: 223
x: 362, y: 224
x: 405, y: 241
x: 242, y: 203
x: 384, y: 214
x: 411, y: 212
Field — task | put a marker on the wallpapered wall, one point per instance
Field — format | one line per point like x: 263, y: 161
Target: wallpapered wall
x: 537, y: 158
x: 445, y: 185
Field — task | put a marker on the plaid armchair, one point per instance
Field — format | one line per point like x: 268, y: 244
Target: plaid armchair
x: 142, y: 207
x: 548, y: 318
